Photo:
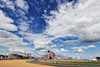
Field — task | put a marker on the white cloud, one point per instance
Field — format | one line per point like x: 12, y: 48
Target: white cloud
x: 76, y: 56
x: 44, y: 50
x: 2, y: 6
x: 7, y: 3
x: 16, y: 50
x: 53, y: 46
x: 4, y: 52
x: 62, y: 46
x: 6, y: 22
x: 72, y: 42
x: 7, y: 39
x: 22, y: 4
x: 67, y: 22
x: 40, y: 41
x: 23, y: 26
x: 80, y: 49
x: 12, y: 41
x: 80, y: 20
x: 91, y: 46
x: 77, y: 49
x: 91, y: 55
x: 63, y: 50
x: 39, y: 45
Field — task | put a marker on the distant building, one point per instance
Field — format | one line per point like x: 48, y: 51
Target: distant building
x: 92, y: 60
x: 3, y: 56
x: 98, y: 58
x: 19, y: 56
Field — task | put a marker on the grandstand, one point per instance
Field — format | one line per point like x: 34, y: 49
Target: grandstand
x: 19, y: 56
x: 98, y: 58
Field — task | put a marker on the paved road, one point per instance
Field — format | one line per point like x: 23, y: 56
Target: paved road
x: 23, y: 63
x: 19, y: 63
x: 64, y: 65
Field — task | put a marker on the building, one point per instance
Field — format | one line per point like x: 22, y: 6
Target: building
x: 98, y: 58
x: 19, y: 56
x: 3, y: 56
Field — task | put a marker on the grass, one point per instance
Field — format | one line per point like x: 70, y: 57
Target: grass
x: 73, y: 62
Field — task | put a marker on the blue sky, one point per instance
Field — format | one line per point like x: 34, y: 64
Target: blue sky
x: 69, y: 28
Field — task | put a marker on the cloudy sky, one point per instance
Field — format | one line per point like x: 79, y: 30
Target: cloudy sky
x: 69, y: 28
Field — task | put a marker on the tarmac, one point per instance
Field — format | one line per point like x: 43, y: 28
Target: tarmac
x: 20, y: 63
x: 64, y: 64
x: 24, y: 63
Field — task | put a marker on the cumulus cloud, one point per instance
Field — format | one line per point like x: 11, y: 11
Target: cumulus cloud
x: 23, y: 26
x: 6, y: 22
x: 62, y: 46
x: 63, y: 50
x: 39, y: 45
x: 80, y: 20
x: 8, y: 4
x: 16, y: 50
x: 91, y: 55
x: 72, y: 42
x: 76, y: 56
x: 53, y: 46
x: 40, y: 41
x: 11, y: 40
x: 91, y: 46
x: 22, y: 4
x: 7, y: 39
x: 69, y: 20
x: 80, y: 49
x: 44, y: 50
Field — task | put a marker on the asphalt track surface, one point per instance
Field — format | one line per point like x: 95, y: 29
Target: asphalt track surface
x: 65, y: 65
x: 24, y: 63
x: 19, y: 63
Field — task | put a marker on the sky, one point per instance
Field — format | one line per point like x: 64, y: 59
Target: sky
x: 69, y: 28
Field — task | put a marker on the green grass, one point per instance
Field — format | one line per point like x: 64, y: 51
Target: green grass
x: 29, y: 60
x: 74, y: 62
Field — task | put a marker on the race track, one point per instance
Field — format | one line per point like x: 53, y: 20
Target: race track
x: 23, y: 63
x: 19, y: 63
